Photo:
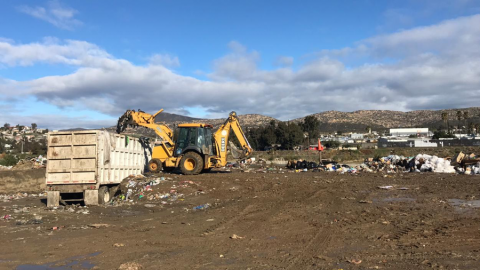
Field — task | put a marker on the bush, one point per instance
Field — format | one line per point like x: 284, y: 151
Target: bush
x: 8, y: 160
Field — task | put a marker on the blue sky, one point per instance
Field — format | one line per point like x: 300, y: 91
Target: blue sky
x: 72, y: 63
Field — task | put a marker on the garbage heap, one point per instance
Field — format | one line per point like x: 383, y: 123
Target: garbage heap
x: 140, y: 188
x: 467, y: 164
x: 461, y: 163
x: 303, y: 165
x: 27, y: 164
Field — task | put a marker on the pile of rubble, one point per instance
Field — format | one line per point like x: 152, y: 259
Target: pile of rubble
x: 462, y: 164
x: 32, y: 163
x: 17, y: 196
x: 140, y: 188
x: 27, y: 164
x: 5, y: 167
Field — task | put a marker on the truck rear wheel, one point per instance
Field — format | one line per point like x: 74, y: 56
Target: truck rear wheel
x: 155, y: 165
x: 103, y: 195
x: 191, y: 163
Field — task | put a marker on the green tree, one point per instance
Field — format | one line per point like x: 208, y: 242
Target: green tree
x: 459, y: 118
x: 311, y: 126
x: 465, y: 118
x: 34, y: 126
x: 445, y: 120
x: 295, y: 136
x: 442, y: 134
x: 368, y: 129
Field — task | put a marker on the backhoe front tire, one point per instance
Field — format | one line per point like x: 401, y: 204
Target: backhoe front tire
x: 155, y: 165
x: 191, y: 163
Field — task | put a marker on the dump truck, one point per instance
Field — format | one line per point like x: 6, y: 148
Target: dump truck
x: 89, y: 165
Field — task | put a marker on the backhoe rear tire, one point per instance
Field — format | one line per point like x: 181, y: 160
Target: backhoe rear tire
x: 191, y: 163
x: 155, y: 165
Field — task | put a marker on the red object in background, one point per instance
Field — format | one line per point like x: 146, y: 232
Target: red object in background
x: 320, y: 146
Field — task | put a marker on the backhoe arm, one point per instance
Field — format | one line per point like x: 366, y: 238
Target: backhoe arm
x: 140, y: 118
x: 221, y: 139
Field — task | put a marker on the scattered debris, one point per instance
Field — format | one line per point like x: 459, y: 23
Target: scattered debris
x: 130, y: 266
x: 365, y: 201
x: 99, y: 225
x: 234, y: 236
x: 355, y: 261
x: 202, y: 207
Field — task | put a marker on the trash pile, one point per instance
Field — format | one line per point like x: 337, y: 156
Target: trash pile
x: 5, y: 167
x: 303, y: 165
x: 462, y: 164
x: 32, y: 163
x: 17, y: 196
x: 138, y: 188
x: 467, y: 164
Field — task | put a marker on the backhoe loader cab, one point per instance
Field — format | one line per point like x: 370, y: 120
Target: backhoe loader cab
x: 194, y: 137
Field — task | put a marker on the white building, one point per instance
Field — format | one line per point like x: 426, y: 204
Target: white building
x: 357, y: 136
x: 405, y: 132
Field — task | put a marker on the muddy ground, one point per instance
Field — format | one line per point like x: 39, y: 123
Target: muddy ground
x: 259, y: 221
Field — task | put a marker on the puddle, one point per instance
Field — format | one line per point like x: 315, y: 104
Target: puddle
x: 459, y: 204
x: 404, y: 199
x: 395, y: 200
x: 77, y: 262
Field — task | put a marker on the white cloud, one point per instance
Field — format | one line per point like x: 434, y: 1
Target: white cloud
x: 52, y: 51
x: 54, y: 13
x: 284, y: 61
x: 434, y: 67
x: 164, y: 60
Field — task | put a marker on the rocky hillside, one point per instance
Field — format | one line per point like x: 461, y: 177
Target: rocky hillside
x: 380, y: 119
x: 342, y: 121
x: 246, y: 120
x: 171, y: 117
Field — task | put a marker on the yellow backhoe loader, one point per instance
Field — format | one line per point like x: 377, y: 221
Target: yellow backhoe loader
x: 197, y: 147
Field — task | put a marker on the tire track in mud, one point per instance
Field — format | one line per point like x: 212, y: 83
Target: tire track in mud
x: 321, y: 238
x: 226, y: 222
x: 411, y: 226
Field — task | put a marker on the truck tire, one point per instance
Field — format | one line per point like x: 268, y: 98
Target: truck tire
x: 155, y: 165
x: 113, y: 190
x: 103, y: 195
x: 191, y: 163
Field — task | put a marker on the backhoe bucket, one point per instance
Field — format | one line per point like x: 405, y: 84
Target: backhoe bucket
x: 236, y: 152
x: 124, y: 121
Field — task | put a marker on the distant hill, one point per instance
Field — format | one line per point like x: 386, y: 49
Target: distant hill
x: 246, y: 120
x: 171, y: 117
x: 382, y: 119
x: 331, y: 121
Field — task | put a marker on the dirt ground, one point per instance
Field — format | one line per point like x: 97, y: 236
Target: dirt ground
x: 259, y: 221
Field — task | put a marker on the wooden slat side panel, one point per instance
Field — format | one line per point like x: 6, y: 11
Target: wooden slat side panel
x: 83, y: 163
x: 83, y: 177
x: 59, y: 152
x: 59, y: 165
x: 79, y: 139
x: 88, y: 151
x: 58, y: 178
x: 60, y: 139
